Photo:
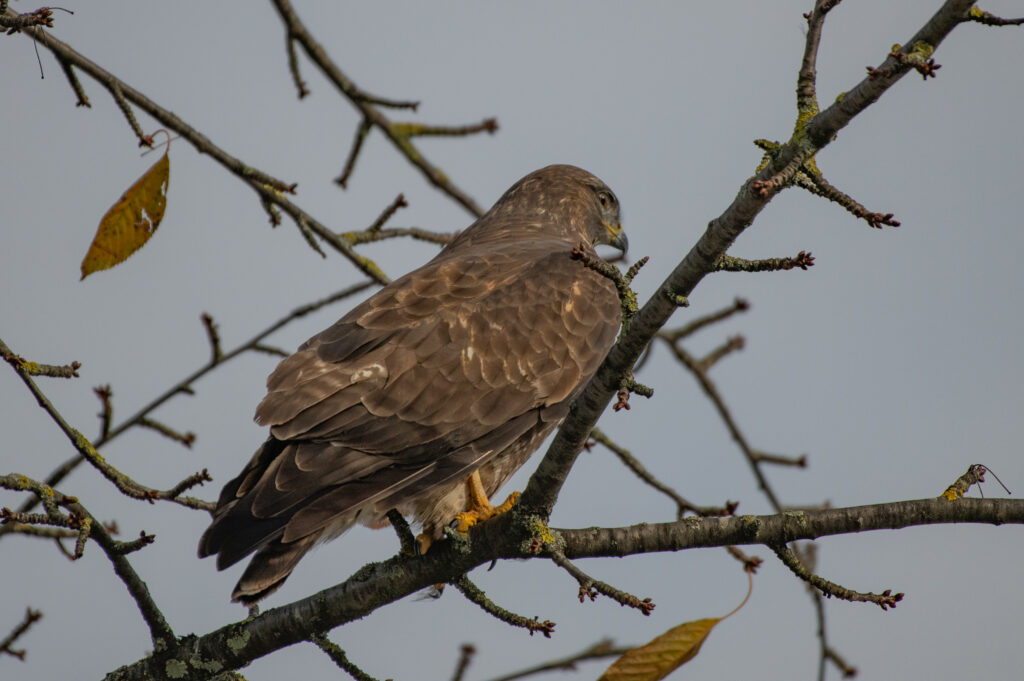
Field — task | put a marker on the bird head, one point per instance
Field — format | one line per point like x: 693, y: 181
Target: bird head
x: 560, y: 201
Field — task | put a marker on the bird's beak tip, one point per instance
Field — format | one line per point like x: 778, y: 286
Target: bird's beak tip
x: 620, y: 241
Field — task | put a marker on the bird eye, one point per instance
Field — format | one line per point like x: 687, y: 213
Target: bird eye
x: 606, y: 199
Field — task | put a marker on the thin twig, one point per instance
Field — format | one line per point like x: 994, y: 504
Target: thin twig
x: 405, y: 535
x: 106, y: 394
x: 885, y: 600
x: 115, y: 91
x: 728, y: 263
x: 338, y: 656
x: 367, y: 236
x: 631, y: 462
x: 87, y: 450
x: 750, y: 563
x: 488, y: 125
x: 316, y: 53
x: 738, y: 305
x: 737, y: 435
x: 76, y: 85
x: 598, y: 651
x: 989, y: 19
x: 780, y: 459
x: 590, y: 587
x: 293, y: 67
x: 79, y: 518
x: 212, y: 335
x: 36, y: 369
x: 814, y: 182
x: 31, y: 617
x: 466, y: 654
x: 362, y: 130
x: 399, y: 202
x: 731, y: 345
x: 187, y: 439
x: 184, y: 386
x: 472, y: 592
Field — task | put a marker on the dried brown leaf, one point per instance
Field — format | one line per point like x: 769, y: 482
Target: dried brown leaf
x: 131, y: 221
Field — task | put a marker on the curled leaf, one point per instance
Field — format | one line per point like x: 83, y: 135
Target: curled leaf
x: 131, y: 221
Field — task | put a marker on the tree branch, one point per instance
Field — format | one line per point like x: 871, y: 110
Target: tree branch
x: 541, y: 492
x: 184, y: 386
x: 377, y: 584
x: 396, y: 133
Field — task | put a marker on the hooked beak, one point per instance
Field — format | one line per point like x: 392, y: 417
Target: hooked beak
x: 617, y: 236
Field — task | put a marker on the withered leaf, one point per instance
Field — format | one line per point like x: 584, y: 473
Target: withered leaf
x: 663, y: 655
x: 131, y: 221
x: 671, y: 650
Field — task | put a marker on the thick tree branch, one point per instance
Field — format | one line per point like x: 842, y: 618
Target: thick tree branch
x: 542, y: 490
x: 377, y: 584
x: 782, y: 528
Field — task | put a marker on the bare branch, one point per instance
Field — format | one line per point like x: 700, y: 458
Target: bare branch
x: 465, y: 657
x: 631, y: 462
x: 590, y: 587
x: 293, y: 67
x: 598, y: 651
x: 695, y: 366
x: 187, y: 439
x: 472, y: 592
x: 379, y: 583
x: 31, y: 617
x: 399, y: 202
x: 405, y: 536
x: 79, y: 518
x: 184, y: 386
x: 338, y: 656
x: 738, y: 305
x: 367, y: 236
x: 316, y: 53
x: 727, y: 263
x: 884, y: 600
x: 989, y: 19
x: 362, y: 131
x: 488, y: 125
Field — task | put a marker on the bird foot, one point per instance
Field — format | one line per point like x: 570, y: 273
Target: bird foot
x: 481, y: 512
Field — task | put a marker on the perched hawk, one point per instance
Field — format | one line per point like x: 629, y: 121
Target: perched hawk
x: 427, y: 397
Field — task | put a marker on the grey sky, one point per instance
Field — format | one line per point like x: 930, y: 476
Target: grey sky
x: 894, y: 362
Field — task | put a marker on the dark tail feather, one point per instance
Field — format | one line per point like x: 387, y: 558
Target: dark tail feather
x: 269, y: 568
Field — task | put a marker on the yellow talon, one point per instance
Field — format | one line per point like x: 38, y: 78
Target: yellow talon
x: 509, y: 503
x: 480, y: 507
x: 466, y: 520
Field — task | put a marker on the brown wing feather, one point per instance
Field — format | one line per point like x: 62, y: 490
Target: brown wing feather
x: 477, y: 352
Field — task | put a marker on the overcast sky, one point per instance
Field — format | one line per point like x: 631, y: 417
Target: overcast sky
x: 894, y: 363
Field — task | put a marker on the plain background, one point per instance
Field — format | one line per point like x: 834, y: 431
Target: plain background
x: 893, y: 363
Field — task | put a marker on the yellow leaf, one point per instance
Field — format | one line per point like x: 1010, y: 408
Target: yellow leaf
x: 663, y: 655
x: 671, y: 650
x: 130, y: 222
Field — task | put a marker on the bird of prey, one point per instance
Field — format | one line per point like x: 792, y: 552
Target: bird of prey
x: 429, y: 395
